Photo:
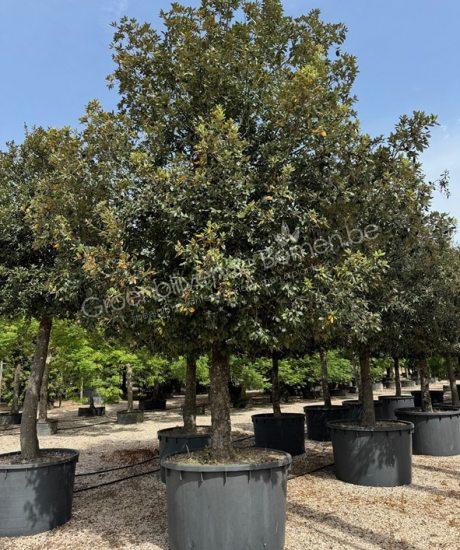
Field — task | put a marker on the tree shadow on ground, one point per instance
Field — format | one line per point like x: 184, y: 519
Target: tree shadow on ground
x: 337, y: 523
x: 445, y: 471
x: 435, y: 491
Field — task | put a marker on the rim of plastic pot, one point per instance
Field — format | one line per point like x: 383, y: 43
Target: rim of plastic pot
x: 430, y: 414
x: 321, y: 407
x: 270, y: 416
x: 72, y: 455
x: 284, y: 460
x: 351, y: 426
x: 170, y: 432
x: 394, y: 397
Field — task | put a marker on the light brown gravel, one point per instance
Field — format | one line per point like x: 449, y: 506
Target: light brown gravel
x: 323, y: 513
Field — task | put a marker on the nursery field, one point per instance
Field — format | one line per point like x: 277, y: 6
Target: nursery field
x: 126, y: 507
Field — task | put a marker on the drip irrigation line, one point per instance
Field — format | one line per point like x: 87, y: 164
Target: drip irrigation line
x: 323, y: 467
x: 118, y: 467
x: 156, y: 470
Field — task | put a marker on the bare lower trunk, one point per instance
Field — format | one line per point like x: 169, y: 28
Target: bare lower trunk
x: 452, y: 380
x: 356, y: 372
x: 425, y: 384
x: 43, y: 404
x: 276, y: 401
x: 81, y: 389
x: 189, y: 410
x: 1, y: 379
x: 129, y: 387
x: 325, y: 377
x: 367, y: 397
x: 16, y: 387
x: 29, y: 441
x: 397, y: 375
x: 221, y: 440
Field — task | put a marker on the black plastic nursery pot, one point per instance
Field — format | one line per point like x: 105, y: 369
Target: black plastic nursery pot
x: 391, y: 403
x: 47, y: 427
x: 356, y: 409
x: 227, y: 507
x: 436, y: 433
x: 152, y: 404
x: 380, y: 456
x: 9, y: 419
x: 175, y: 440
x: 317, y: 417
x: 285, y: 432
x: 36, y: 496
x: 437, y: 396
x: 91, y: 411
x: 130, y: 417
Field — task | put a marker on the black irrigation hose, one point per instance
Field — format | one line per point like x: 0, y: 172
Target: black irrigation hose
x: 115, y: 481
x: 118, y: 467
x: 323, y: 467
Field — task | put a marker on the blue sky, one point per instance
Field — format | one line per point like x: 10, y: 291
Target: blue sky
x: 54, y: 57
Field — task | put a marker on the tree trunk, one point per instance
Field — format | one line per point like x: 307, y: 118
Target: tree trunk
x: 452, y: 380
x: 325, y: 377
x: 43, y: 404
x: 1, y: 379
x: 276, y: 385
x: 129, y: 387
x: 367, y: 396
x: 356, y: 372
x: 16, y: 387
x: 425, y: 385
x: 221, y: 440
x: 29, y: 441
x: 189, y: 410
x: 81, y: 389
x: 397, y: 376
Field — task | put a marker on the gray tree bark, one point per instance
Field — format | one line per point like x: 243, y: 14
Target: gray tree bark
x: 397, y: 375
x: 189, y: 409
x: 129, y: 387
x: 425, y: 384
x: 221, y: 439
x: 325, y: 377
x: 29, y: 440
x: 16, y: 387
x: 276, y: 400
x: 367, y: 396
x: 43, y: 403
x: 452, y: 380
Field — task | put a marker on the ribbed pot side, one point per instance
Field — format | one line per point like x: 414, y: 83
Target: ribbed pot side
x: 376, y: 457
x: 36, y: 497
x: 233, y: 507
x: 436, y: 433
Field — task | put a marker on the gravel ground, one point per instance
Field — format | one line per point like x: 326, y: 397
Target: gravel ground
x: 322, y: 512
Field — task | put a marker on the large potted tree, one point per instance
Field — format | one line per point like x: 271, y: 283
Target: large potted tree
x: 229, y: 133
x: 433, y: 328
x: 39, y: 483
x: 369, y: 452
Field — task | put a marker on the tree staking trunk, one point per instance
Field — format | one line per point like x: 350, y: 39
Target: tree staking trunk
x: 129, y: 387
x: 29, y: 440
x: 189, y: 409
x: 397, y: 375
x: 276, y: 384
x: 16, y: 387
x: 367, y: 396
x: 221, y: 439
x: 325, y: 377
x: 43, y: 404
x: 425, y: 384
x: 452, y: 380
